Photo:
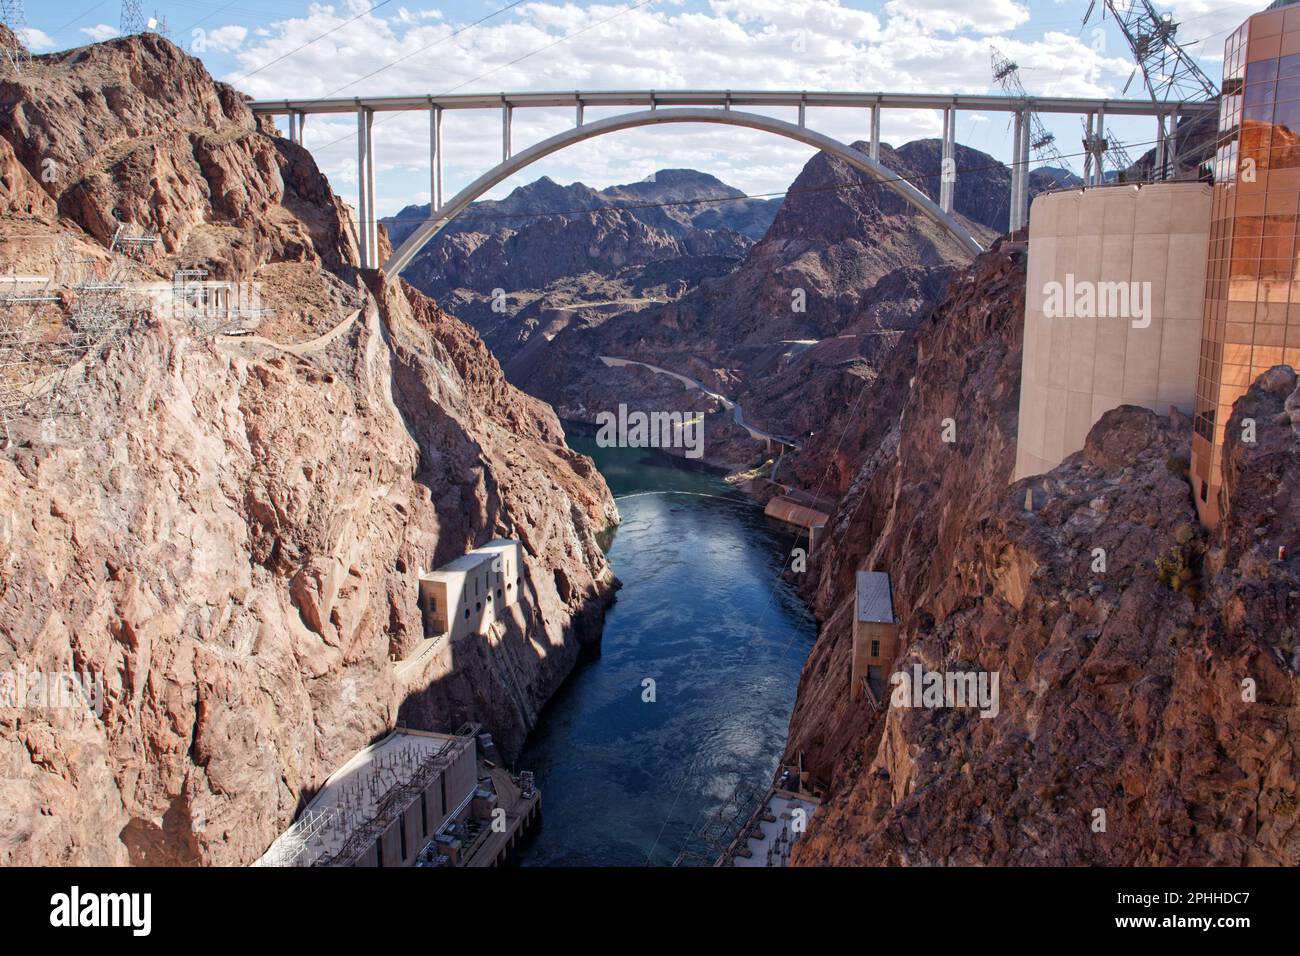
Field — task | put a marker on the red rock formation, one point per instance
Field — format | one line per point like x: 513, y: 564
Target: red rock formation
x: 1120, y: 691
x: 228, y: 531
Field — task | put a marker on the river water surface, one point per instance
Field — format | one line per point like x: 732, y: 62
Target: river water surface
x: 703, y: 613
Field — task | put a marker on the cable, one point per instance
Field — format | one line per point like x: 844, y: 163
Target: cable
x: 567, y: 36
x: 427, y: 46
x: 314, y: 39
x: 79, y: 16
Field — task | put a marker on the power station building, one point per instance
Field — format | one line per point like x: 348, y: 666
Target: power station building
x: 468, y: 595
x: 875, y: 633
x: 385, y: 804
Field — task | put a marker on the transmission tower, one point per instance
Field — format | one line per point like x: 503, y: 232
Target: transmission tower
x: 1105, y: 149
x: 1168, y: 74
x: 132, y: 18
x: 1042, y: 142
x: 13, y: 52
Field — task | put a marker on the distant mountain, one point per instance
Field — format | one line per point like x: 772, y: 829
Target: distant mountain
x: 549, y: 246
x: 846, y: 268
x: 678, y: 202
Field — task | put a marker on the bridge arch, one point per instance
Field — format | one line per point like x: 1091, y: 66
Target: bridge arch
x: 439, y: 218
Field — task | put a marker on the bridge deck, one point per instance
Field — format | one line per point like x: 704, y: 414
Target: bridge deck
x: 652, y: 98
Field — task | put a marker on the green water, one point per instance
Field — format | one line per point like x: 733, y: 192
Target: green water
x: 703, y: 613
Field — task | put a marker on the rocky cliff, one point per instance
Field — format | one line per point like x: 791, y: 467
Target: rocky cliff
x: 225, y: 532
x: 792, y: 331
x: 553, y: 249
x: 1146, y: 671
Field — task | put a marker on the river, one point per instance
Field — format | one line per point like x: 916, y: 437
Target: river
x: 704, y: 614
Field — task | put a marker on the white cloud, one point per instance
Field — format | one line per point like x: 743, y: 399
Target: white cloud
x: 917, y: 45
x: 100, y: 32
x: 953, y: 16
x: 1209, y: 21
x: 36, y: 40
x: 227, y: 39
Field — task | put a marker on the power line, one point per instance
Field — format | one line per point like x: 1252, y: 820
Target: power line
x: 285, y: 56
x: 427, y: 46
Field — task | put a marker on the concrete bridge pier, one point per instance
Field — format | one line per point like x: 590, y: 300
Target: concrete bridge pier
x: 1020, y: 171
x: 875, y: 133
x: 948, y: 166
x: 367, y: 220
x: 435, y: 157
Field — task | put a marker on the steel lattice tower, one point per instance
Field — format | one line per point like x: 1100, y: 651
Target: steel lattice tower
x: 1042, y: 142
x: 132, y: 18
x: 1168, y: 72
x: 14, y: 52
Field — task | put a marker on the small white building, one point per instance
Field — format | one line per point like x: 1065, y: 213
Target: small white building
x: 468, y: 595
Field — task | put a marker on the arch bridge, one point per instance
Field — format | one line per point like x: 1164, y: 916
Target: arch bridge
x: 659, y: 107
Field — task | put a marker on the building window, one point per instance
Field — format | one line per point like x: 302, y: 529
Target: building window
x: 1205, y: 491
x: 498, y: 594
x: 424, y: 814
x: 379, y: 851
x: 467, y: 614
x: 875, y: 648
x: 401, y: 832
x: 478, y: 605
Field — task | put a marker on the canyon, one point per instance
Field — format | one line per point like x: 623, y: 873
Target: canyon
x: 228, y: 529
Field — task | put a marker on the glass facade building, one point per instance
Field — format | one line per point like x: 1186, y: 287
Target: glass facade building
x: 1251, y: 320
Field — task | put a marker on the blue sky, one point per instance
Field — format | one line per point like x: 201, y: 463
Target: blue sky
x: 895, y: 45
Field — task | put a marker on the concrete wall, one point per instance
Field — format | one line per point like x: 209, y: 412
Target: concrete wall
x: 468, y: 595
x: 462, y: 777
x: 864, y: 632
x: 1075, y: 368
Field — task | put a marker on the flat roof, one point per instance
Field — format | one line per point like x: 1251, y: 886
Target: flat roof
x: 875, y: 597
x: 779, y: 803
x: 355, y: 790
x: 471, y: 559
